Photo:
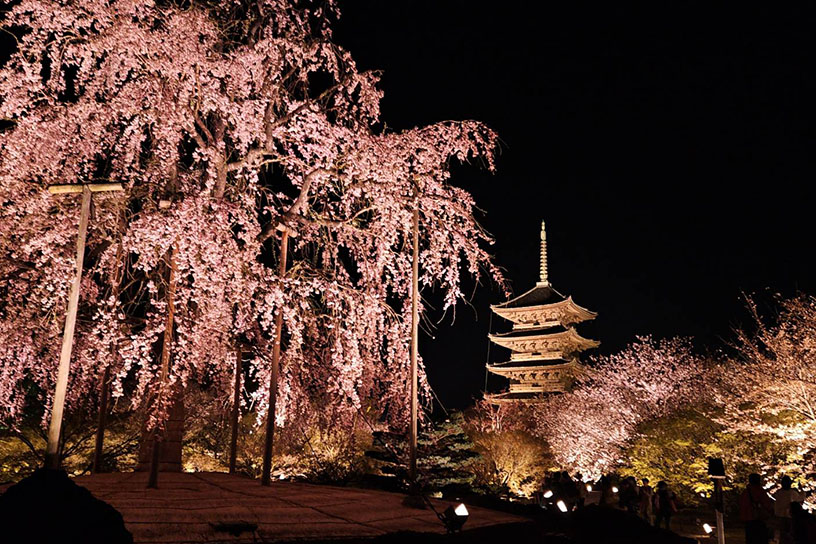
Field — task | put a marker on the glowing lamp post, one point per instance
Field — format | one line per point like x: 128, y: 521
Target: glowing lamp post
x: 716, y: 470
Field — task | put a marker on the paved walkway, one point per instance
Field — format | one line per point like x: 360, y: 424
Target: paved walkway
x: 186, y: 507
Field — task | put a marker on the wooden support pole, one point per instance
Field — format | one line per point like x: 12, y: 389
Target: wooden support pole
x: 155, y: 459
x: 412, y: 469
x: 52, y: 456
x: 69, y: 188
x: 236, y: 411
x: 273, y: 377
x: 103, y: 412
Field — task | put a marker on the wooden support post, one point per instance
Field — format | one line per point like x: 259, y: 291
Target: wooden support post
x: 72, y: 188
x: 236, y: 411
x: 153, y: 478
x: 52, y: 455
x: 103, y: 412
x: 412, y: 469
x: 273, y: 378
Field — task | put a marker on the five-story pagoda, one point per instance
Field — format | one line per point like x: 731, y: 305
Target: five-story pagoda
x: 543, y: 342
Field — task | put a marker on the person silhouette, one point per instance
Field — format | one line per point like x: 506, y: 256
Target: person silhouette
x: 755, y: 508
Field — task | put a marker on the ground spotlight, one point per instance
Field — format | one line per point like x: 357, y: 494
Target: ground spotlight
x: 589, y: 487
x: 455, y: 518
x: 548, y: 494
x: 614, y: 489
x: 707, y: 528
x: 561, y: 506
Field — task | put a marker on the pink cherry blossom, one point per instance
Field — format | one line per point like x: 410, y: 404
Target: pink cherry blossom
x: 211, y: 108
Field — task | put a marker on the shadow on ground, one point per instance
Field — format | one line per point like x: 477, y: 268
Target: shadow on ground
x: 49, y: 507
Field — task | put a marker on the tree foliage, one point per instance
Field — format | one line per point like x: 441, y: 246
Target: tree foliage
x: 589, y: 428
x: 768, y: 390
x: 225, y: 123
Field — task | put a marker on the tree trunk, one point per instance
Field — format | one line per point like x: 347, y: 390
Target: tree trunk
x: 412, y: 469
x: 116, y: 279
x: 103, y: 411
x: 156, y: 457
x: 236, y: 412
x: 273, y: 378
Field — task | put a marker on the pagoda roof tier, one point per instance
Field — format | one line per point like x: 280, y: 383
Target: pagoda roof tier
x: 544, y: 314
x: 566, y: 341
x: 512, y: 396
x: 543, y: 293
x: 538, y: 331
x: 509, y: 368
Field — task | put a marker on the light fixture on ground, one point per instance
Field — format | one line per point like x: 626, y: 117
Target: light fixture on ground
x: 548, y: 494
x: 455, y: 518
x: 614, y: 489
x: 707, y: 528
x: 561, y: 506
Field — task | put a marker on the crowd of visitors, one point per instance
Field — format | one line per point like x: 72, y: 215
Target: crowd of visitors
x: 779, y: 518
x: 654, y: 506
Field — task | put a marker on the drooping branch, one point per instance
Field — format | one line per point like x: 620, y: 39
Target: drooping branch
x: 292, y: 214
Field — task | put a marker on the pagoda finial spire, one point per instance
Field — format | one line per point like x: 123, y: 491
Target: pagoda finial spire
x: 543, y: 279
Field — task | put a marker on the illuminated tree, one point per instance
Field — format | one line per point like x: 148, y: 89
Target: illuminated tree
x: 770, y: 387
x: 225, y: 122
x: 589, y: 427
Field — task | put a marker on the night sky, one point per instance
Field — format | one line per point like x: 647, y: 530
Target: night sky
x: 671, y: 153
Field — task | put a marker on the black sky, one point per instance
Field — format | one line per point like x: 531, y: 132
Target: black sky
x: 670, y: 151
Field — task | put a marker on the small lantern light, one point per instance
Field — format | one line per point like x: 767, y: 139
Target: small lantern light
x: 614, y: 489
x: 455, y: 518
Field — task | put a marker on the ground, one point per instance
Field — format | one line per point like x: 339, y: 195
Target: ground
x: 217, y: 507
x: 203, y: 507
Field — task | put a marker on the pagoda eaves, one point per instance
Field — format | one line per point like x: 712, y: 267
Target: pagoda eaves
x: 564, y: 342
x: 565, y: 312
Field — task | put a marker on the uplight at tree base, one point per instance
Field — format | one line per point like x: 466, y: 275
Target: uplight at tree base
x: 455, y: 518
